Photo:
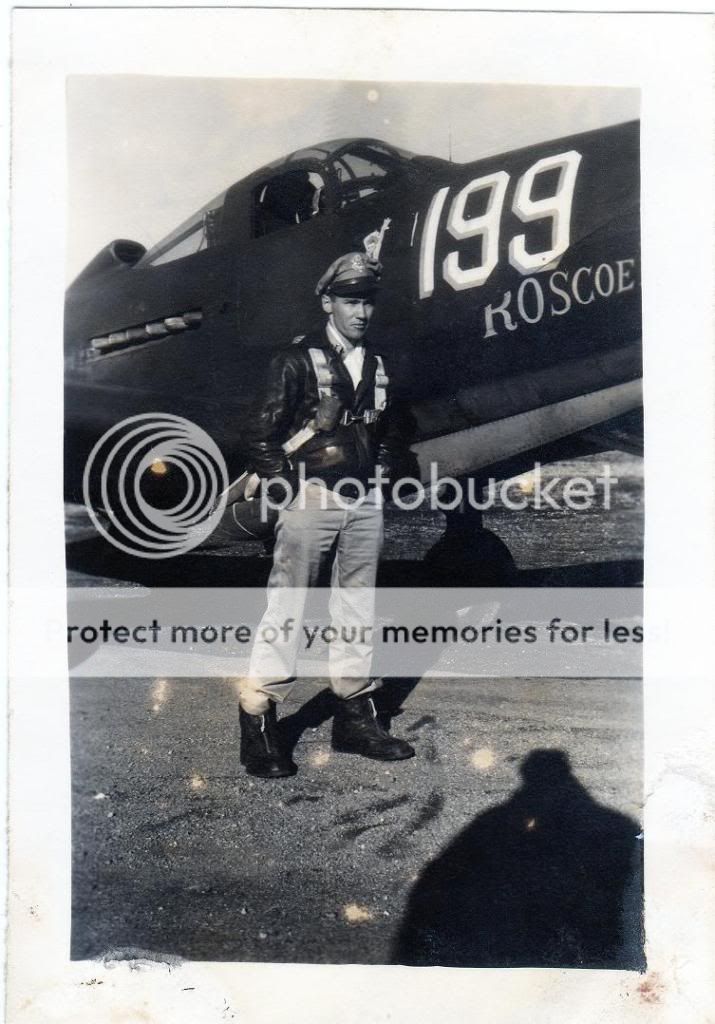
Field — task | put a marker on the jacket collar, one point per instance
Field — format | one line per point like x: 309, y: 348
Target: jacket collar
x: 319, y: 339
x: 341, y: 344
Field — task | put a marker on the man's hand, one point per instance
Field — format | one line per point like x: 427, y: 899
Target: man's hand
x: 252, y: 484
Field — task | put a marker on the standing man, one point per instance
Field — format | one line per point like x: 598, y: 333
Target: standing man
x: 331, y: 382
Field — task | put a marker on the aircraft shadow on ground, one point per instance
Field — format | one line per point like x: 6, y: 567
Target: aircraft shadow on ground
x: 551, y: 878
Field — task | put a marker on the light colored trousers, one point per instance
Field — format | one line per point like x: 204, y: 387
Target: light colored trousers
x: 305, y: 533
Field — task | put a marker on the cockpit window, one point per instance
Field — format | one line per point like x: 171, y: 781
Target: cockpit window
x: 363, y: 170
x: 194, y: 240
x: 314, y: 153
x: 358, y: 167
x: 198, y: 232
x: 287, y: 199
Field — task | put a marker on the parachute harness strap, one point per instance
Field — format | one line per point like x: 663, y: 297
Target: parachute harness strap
x: 327, y: 380
x: 323, y: 373
x: 381, y: 382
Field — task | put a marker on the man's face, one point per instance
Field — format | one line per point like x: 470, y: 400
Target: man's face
x: 351, y: 314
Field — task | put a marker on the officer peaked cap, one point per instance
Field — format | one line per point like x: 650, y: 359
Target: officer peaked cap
x: 352, y: 274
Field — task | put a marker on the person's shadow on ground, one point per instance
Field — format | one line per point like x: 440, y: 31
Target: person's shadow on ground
x: 549, y: 879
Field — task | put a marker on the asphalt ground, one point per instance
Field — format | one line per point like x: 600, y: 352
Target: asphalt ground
x: 512, y: 838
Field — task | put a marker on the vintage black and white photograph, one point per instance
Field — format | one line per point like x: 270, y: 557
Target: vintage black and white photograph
x: 438, y: 282
x: 355, y: 527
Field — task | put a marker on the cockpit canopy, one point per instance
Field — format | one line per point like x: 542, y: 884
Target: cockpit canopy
x: 324, y: 178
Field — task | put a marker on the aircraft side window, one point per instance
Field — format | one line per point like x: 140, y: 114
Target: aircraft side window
x: 192, y: 242
x: 287, y: 199
x: 202, y: 234
x: 361, y: 174
x: 363, y: 168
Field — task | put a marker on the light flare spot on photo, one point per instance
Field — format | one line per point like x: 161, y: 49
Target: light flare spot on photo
x: 356, y: 914
x: 483, y: 759
x: 159, y: 695
x: 525, y: 483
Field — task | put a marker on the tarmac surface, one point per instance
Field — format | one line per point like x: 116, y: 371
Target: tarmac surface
x: 512, y: 838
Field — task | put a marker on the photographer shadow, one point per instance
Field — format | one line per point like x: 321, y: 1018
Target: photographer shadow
x: 551, y: 878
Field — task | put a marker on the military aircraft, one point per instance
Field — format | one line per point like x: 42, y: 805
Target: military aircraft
x: 510, y: 309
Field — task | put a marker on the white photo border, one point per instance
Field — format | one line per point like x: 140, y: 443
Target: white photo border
x: 669, y: 58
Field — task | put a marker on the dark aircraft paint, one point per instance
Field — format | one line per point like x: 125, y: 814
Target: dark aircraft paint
x: 466, y: 353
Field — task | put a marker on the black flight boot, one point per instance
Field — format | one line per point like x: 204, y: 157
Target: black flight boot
x: 356, y: 730
x: 261, y: 750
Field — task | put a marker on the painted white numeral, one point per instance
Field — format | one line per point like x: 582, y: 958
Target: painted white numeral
x: 429, y: 241
x: 557, y: 207
x: 485, y: 225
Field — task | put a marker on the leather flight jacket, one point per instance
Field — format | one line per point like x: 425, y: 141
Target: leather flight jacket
x: 362, y: 438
